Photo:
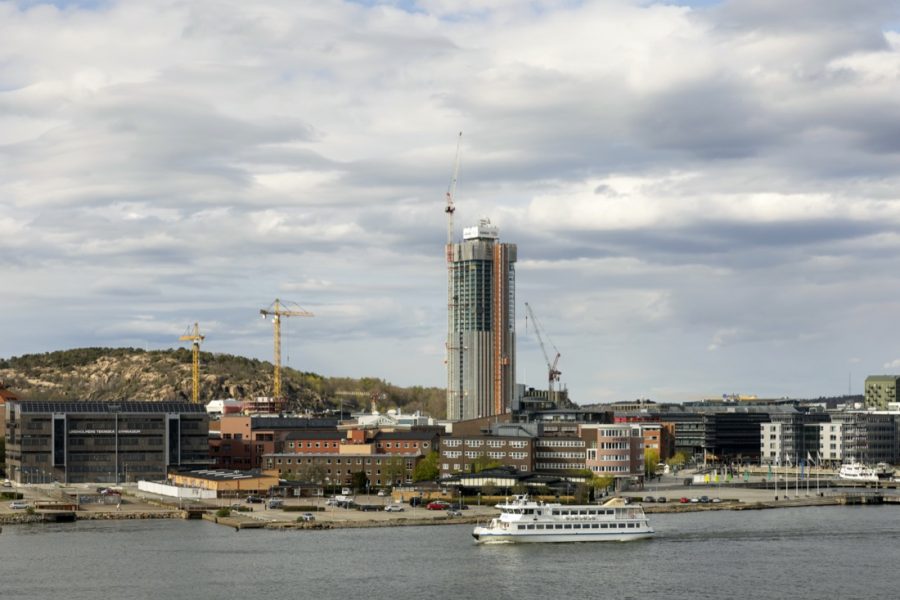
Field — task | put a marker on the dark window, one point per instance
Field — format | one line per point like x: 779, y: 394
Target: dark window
x: 59, y: 442
x: 174, y: 446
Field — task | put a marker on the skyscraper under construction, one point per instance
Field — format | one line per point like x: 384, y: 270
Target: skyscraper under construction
x: 481, y: 340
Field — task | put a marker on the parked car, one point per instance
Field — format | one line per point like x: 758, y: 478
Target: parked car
x: 454, y: 513
x: 437, y: 505
x: 695, y: 500
x: 382, y: 493
x: 307, y: 517
x: 18, y: 504
x: 649, y: 499
x: 684, y: 500
x: 393, y: 508
x: 275, y: 503
x: 7, y: 483
x: 458, y: 506
x: 662, y: 499
x: 416, y: 501
x: 716, y: 500
x: 253, y: 500
x: 704, y: 499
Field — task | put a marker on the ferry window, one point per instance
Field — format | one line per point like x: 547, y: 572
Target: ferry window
x: 559, y: 526
x: 595, y: 526
x: 531, y: 527
x: 630, y: 525
x: 603, y: 525
x: 554, y: 512
x: 568, y: 526
x: 521, y: 526
x: 539, y: 526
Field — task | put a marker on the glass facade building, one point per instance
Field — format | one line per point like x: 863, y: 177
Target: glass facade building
x: 481, y: 324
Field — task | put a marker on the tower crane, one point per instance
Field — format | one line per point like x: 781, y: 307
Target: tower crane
x: 452, y: 344
x: 278, y: 310
x: 451, y: 191
x: 552, y: 372
x: 193, y: 335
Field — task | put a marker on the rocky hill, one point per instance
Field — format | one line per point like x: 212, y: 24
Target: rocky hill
x: 135, y: 374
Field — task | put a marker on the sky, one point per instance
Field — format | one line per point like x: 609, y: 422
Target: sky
x: 705, y: 195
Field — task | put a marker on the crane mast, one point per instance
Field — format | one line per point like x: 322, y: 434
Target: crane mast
x: 195, y: 337
x: 449, y: 209
x: 278, y: 310
x: 552, y: 372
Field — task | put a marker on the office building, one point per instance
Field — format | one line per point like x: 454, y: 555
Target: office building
x: 481, y: 340
x: 105, y: 442
x: 881, y: 390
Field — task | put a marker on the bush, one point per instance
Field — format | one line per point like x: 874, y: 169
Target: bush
x: 29, y: 510
x: 223, y: 512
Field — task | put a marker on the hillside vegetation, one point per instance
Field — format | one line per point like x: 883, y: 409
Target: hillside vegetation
x: 134, y: 374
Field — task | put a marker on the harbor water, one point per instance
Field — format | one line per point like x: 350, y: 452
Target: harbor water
x: 800, y: 554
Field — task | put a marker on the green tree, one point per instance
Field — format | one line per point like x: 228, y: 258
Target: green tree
x: 602, y: 483
x: 582, y: 493
x: 359, y: 480
x: 311, y: 473
x: 427, y: 469
x: 679, y: 460
x: 651, y: 459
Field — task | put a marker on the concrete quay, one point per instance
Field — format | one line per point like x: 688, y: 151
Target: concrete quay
x: 735, y: 496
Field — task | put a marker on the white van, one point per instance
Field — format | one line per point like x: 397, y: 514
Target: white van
x: 18, y: 504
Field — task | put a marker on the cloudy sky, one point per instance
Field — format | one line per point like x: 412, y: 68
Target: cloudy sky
x: 705, y: 195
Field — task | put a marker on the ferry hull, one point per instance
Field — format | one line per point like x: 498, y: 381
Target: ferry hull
x: 487, y: 536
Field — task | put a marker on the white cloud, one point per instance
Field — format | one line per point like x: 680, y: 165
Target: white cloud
x: 680, y: 181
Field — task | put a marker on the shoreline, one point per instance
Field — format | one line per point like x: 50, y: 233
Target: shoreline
x: 324, y: 522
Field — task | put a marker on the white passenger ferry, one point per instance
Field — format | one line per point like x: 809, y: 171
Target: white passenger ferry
x: 523, y: 520
x: 855, y: 471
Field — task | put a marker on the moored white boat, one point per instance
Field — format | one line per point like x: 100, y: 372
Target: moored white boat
x: 523, y: 520
x: 855, y: 471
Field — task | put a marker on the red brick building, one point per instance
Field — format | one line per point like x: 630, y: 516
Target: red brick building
x: 242, y: 441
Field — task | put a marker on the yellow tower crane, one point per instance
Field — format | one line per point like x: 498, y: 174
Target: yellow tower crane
x: 195, y: 337
x: 278, y: 310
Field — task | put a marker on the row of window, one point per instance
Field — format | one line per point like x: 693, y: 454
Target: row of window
x: 466, y: 468
x: 614, y: 445
x: 609, y: 469
x: 450, y: 443
x: 542, y: 466
x: 337, y: 461
x: 561, y: 443
x: 559, y: 454
x: 578, y: 526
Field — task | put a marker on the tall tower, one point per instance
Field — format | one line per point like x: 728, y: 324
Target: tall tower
x: 481, y: 337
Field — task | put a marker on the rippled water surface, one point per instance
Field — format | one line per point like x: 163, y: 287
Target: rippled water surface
x: 808, y: 553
